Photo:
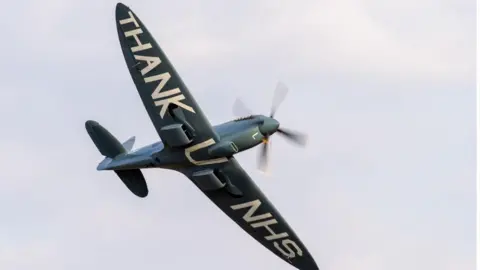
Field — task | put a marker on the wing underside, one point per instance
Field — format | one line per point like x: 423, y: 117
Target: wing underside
x: 175, y: 114
x: 253, y: 212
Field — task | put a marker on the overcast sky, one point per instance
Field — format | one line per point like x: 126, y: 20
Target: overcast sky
x: 385, y: 90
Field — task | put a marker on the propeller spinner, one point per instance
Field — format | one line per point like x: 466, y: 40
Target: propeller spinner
x: 271, y: 125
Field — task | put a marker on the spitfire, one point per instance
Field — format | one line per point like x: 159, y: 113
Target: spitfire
x: 189, y: 144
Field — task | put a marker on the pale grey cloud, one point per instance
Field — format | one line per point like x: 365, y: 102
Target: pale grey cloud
x: 385, y: 90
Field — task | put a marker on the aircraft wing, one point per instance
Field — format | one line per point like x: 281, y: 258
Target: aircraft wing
x: 256, y: 215
x: 161, y: 89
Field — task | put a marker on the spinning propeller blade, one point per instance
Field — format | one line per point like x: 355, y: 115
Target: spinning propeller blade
x: 294, y: 136
x: 240, y: 109
x: 263, y: 159
x: 278, y: 97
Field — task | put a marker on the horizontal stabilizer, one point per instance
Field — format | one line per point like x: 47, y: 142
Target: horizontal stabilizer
x: 106, y: 143
x: 128, y: 144
x: 135, y: 181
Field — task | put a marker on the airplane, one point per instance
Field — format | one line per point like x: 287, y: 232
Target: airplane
x: 191, y: 146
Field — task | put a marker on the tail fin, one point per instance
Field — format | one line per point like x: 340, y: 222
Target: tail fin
x: 106, y: 143
x: 128, y: 144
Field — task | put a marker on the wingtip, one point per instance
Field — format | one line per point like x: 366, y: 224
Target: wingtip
x: 90, y: 125
x: 120, y: 5
x: 142, y: 194
x: 120, y: 9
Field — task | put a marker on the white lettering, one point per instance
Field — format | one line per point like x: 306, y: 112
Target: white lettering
x: 152, y: 62
x: 248, y: 217
x: 129, y: 20
x: 140, y: 47
x: 167, y: 94
x: 198, y: 146
x: 273, y: 235
x: 285, y: 244
x: 175, y: 100
x: 161, y: 99
x: 163, y: 78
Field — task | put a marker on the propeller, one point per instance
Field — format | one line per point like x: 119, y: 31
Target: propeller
x: 298, y: 138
